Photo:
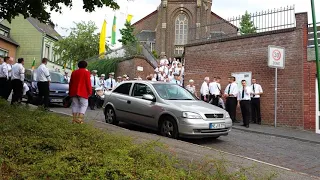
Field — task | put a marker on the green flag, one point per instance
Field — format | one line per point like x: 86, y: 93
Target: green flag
x: 33, y: 63
x: 113, y: 37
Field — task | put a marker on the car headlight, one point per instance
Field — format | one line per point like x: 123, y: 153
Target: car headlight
x: 227, y: 115
x: 191, y: 115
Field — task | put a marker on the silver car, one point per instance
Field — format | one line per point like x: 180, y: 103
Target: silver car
x: 167, y: 108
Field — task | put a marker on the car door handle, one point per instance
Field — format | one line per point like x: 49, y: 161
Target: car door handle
x: 128, y: 102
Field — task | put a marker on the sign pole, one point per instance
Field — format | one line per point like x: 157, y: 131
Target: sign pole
x: 316, y: 46
x: 275, y: 96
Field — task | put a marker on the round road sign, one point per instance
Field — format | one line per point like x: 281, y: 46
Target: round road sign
x: 276, y: 55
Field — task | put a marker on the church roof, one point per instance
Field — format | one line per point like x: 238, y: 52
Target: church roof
x: 154, y: 12
x: 146, y: 35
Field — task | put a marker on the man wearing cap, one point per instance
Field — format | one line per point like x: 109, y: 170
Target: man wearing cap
x: 119, y: 79
x: 94, y: 84
x: 102, y: 82
x: 124, y: 77
x: 110, y: 82
x: 175, y: 80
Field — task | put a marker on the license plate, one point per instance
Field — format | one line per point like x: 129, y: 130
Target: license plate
x: 217, y: 126
x: 56, y: 100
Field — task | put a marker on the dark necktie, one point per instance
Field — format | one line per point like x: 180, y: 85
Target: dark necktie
x: 94, y: 81
x: 229, y: 89
x: 242, y: 93
x: 176, y: 82
x: 253, y: 91
x: 111, y: 83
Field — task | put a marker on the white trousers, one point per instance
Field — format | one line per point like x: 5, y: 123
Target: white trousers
x: 79, y: 105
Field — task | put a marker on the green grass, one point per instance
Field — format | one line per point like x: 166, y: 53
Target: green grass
x: 40, y: 145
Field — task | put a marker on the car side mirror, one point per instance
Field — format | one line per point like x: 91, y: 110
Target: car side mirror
x: 149, y: 97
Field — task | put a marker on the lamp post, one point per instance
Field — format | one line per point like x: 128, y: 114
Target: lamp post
x: 316, y: 46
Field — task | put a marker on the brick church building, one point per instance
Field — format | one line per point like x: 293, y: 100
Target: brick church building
x: 167, y: 29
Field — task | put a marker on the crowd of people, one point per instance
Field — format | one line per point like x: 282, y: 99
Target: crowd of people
x: 246, y: 97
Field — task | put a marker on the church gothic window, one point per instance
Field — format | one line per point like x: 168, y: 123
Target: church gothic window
x: 181, y: 29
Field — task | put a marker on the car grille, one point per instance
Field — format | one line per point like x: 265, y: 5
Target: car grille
x: 214, y: 116
x: 210, y: 130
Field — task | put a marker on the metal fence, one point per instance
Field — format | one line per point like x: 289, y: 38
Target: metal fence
x: 311, y: 35
x: 269, y: 20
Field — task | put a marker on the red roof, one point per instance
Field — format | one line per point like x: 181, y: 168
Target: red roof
x: 154, y: 12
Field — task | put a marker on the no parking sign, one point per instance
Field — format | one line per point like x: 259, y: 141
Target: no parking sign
x: 276, y: 57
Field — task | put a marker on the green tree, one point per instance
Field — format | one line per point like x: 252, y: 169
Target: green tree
x: 39, y: 8
x: 81, y: 43
x: 246, y: 25
x: 127, y: 34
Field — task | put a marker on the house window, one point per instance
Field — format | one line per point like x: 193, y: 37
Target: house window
x: 152, y: 44
x: 178, y: 50
x: 3, y: 52
x: 47, y: 51
x: 3, y: 32
x: 181, y: 29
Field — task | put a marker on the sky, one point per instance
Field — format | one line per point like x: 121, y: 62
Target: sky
x: 141, y: 8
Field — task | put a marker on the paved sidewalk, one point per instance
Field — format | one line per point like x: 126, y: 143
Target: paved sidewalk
x: 284, y: 132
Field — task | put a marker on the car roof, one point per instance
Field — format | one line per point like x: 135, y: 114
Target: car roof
x: 145, y: 81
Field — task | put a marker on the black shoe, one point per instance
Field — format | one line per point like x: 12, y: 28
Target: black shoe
x: 243, y: 125
x: 247, y: 126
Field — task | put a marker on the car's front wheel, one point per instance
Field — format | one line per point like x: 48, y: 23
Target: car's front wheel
x: 169, y: 128
x: 110, y: 116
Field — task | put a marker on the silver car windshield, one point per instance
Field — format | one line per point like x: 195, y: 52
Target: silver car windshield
x: 173, y: 92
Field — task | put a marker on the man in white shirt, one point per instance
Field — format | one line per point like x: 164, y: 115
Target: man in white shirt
x: 110, y: 82
x: 255, y: 101
x: 17, y: 81
x: 215, y: 91
x: 175, y: 79
x: 66, y: 76
x: 244, y: 103
x: 44, y: 79
x: 204, y: 90
x: 94, y: 84
x: 9, y: 83
x: 3, y: 78
x: 231, y: 94
x: 102, y: 81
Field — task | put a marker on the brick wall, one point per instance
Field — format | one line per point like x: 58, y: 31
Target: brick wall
x: 12, y: 49
x: 249, y: 54
x: 130, y: 65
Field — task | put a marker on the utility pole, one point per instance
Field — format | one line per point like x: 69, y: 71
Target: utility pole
x: 316, y: 45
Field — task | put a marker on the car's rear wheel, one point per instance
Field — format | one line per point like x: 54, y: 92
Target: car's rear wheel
x: 110, y: 116
x: 169, y: 127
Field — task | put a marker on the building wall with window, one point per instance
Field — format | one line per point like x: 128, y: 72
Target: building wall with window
x: 8, y: 46
x: 28, y: 37
x: 172, y: 21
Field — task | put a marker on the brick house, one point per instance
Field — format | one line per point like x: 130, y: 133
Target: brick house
x: 167, y: 29
x: 8, y: 47
x: 36, y: 41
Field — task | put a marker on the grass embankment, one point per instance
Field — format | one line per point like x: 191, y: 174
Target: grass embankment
x: 40, y: 145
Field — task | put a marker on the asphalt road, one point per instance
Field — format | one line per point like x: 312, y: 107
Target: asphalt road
x: 296, y: 155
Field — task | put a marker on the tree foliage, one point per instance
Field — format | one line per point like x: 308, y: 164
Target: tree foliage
x: 246, y: 25
x: 127, y: 34
x: 81, y: 43
x: 39, y: 8
x: 104, y: 66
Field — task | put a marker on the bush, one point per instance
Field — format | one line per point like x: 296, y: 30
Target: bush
x: 104, y: 66
x: 41, y: 145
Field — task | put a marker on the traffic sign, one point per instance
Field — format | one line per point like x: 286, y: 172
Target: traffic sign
x: 276, y: 57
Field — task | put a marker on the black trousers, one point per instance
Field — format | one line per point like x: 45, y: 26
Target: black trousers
x: 255, y: 108
x: 207, y: 98
x: 214, y: 100
x: 44, y: 92
x: 17, y: 87
x: 93, y: 99
x: 3, y: 87
x: 231, y: 107
x: 245, y: 107
x: 8, y: 89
